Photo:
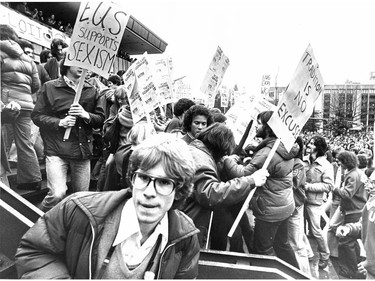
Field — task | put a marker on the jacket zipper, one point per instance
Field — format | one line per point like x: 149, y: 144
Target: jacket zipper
x: 161, y: 258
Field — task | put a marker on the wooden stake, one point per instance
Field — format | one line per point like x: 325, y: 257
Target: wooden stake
x: 76, y: 99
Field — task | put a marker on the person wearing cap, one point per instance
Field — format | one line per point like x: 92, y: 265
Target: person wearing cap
x: 126, y: 234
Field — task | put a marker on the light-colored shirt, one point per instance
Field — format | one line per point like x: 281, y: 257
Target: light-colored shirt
x: 70, y: 83
x: 129, y: 235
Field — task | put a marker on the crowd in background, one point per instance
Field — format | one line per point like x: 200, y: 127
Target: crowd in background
x: 323, y: 176
x: 42, y: 17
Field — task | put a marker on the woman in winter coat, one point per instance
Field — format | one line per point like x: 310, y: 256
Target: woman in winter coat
x: 19, y: 80
x: 272, y: 203
x: 121, y: 234
x: 210, y: 192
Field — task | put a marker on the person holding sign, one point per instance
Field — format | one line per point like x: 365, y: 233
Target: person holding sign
x: 126, y: 234
x: 54, y: 112
x: 273, y: 202
x: 210, y: 192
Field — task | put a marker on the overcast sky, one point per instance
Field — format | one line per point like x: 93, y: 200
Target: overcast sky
x: 263, y: 37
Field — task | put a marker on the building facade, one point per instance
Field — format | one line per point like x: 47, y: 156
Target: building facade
x: 353, y: 103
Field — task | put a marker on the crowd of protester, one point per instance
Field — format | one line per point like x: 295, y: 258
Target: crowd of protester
x: 323, y: 181
x: 41, y: 16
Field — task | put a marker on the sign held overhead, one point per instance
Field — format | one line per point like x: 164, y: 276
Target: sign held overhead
x: 297, y: 103
x: 97, y: 36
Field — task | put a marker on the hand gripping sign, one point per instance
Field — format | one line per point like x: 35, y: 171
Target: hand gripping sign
x: 95, y: 40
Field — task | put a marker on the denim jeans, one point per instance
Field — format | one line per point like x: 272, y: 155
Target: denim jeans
x: 28, y: 169
x: 298, y: 239
x: 57, y: 172
x: 271, y: 238
x: 314, y: 214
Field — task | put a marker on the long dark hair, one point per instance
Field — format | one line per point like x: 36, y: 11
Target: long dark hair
x: 219, y: 139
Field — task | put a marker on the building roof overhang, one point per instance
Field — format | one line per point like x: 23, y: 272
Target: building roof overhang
x: 136, y: 40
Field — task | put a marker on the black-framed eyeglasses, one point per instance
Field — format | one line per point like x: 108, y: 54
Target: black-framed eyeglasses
x: 163, y: 186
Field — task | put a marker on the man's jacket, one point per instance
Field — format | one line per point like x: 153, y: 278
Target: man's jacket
x: 53, y: 104
x: 319, y: 176
x: 64, y: 242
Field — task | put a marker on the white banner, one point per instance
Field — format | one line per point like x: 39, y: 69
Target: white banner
x: 297, y: 102
x: 146, y: 84
x: 224, y: 97
x: 163, y: 81
x: 97, y: 36
x: 182, y: 90
x: 214, y: 76
x: 30, y: 29
x: 242, y: 112
x: 266, y: 84
x: 134, y: 97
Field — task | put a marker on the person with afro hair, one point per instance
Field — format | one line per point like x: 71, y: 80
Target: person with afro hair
x: 197, y: 118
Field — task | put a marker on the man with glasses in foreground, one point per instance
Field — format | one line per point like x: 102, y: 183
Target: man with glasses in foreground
x: 128, y: 234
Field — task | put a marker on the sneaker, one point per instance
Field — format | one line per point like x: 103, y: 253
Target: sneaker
x: 323, y: 264
x: 30, y: 186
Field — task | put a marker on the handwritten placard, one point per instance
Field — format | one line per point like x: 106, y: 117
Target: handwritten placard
x: 214, y: 76
x: 297, y: 103
x: 97, y: 36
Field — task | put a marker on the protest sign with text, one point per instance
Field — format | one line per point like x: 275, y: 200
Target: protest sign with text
x: 297, y: 102
x: 97, y: 36
x: 214, y: 76
x: 242, y: 112
x: 224, y: 97
x: 136, y: 104
x: 266, y: 84
x: 145, y: 82
x: 162, y: 79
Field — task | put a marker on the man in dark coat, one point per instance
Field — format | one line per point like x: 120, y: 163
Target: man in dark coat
x: 54, y: 112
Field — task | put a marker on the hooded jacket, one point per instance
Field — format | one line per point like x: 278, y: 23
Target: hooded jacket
x: 210, y: 192
x: 19, y: 75
x: 54, y: 102
x: 274, y: 200
x: 64, y: 242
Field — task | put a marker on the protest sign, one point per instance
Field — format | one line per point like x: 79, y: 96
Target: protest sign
x: 224, y: 97
x: 266, y: 84
x: 242, y: 112
x: 145, y: 83
x: 182, y: 89
x: 162, y: 79
x: 214, y: 76
x: 136, y: 104
x: 297, y: 103
x: 97, y: 36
